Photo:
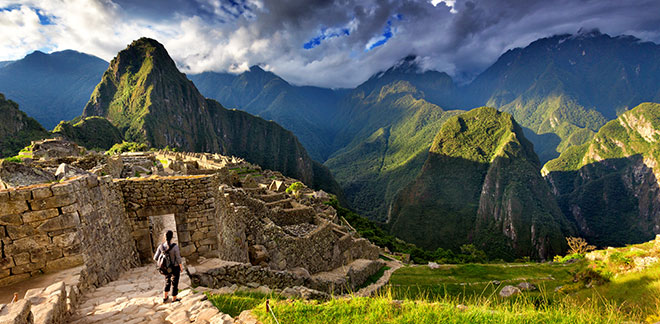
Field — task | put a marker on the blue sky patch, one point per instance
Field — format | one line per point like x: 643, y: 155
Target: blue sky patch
x: 388, y: 33
x: 316, y: 41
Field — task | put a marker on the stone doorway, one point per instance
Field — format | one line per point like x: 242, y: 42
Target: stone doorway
x: 158, y: 226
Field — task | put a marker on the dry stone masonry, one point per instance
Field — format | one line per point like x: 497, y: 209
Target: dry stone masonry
x: 234, y: 225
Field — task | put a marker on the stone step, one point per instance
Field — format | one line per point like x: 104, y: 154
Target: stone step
x: 272, y: 197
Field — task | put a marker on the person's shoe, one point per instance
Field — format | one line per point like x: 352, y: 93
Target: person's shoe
x: 176, y: 300
x: 165, y: 300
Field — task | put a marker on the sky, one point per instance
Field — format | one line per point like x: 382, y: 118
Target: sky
x: 315, y: 42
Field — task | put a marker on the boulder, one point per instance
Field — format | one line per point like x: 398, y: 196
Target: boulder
x: 526, y: 286
x: 19, y: 174
x: 434, y: 265
x: 509, y: 291
x: 65, y: 171
x: 258, y: 255
x: 16, y: 313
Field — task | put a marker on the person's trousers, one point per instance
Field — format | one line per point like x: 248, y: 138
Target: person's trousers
x: 173, y: 280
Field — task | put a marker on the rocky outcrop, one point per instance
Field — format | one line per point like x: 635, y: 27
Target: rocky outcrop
x: 167, y: 110
x: 14, y: 174
x: 609, y: 186
x: 91, y: 133
x: 481, y: 184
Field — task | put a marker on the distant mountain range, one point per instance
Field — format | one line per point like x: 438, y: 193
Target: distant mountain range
x: 51, y: 87
x: 380, y: 139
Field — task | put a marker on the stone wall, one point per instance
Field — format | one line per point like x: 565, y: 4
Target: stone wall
x: 192, y: 201
x: 51, y: 227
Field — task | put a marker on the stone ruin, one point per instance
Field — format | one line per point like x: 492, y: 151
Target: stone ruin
x: 234, y: 226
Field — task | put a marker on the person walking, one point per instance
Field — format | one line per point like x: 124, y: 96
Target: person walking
x: 170, y: 251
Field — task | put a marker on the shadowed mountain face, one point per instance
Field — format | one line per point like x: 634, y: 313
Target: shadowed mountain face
x: 303, y: 110
x: 145, y: 96
x: 51, y: 87
x: 17, y: 130
x: 481, y: 184
x: 609, y: 186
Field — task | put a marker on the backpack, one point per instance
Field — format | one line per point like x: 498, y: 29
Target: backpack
x: 164, y: 261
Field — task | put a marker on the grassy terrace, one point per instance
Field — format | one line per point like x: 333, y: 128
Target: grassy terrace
x: 476, y: 280
x: 468, y: 293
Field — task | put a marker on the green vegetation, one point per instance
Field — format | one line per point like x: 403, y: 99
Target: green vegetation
x: 239, y: 301
x: 294, y: 188
x: 124, y: 147
x: 592, y: 180
x: 575, y: 292
x: 375, y: 233
x: 480, y: 164
x: 385, y: 309
x: 17, y: 130
x: 90, y: 132
x: 14, y: 159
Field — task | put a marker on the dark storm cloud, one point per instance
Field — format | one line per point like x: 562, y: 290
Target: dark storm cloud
x: 347, y: 40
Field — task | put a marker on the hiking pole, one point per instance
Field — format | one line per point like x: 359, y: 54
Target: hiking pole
x: 269, y: 309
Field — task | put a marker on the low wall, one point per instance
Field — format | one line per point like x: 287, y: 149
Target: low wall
x: 58, y: 226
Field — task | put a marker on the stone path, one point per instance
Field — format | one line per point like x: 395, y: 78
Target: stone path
x: 137, y: 298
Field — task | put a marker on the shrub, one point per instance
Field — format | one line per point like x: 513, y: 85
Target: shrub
x: 294, y: 188
x: 126, y: 147
x: 578, y: 245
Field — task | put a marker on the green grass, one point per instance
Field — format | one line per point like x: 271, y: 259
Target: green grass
x: 234, y: 304
x: 385, y: 309
x: 470, y: 280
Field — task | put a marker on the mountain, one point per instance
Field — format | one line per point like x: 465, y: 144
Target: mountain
x: 385, y: 129
x: 303, y: 110
x: 145, y: 96
x: 52, y: 87
x: 566, y: 87
x: 17, y: 130
x: 481, y: 184
x: 90, y: 132
x: 609, y: 186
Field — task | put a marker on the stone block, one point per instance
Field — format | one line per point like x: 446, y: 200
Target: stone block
x: 184, y: 236
x: 20, y: 194
x: 64, y: 263
x: 52, y: 202
x: 187, y: 250
x: 41, y: 193
x: 7, y: 262
x: 21, y: 258
x: 197, y: 236
x: 13, y: 207
x: 28, y: 244
x: 66, y: 240
x: 20, y: 231
x: 12, y: 219
x: 62, y: 189
x: 4, y: 196
x: 61, y: 222
x: 17, y: 313
x: 27, y: 268
x: 40, y: 215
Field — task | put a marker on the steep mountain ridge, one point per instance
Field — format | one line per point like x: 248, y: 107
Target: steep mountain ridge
x: 609, y: 186
x: 146, y: 97
x: 481, y: 184
x: 17, y: 130
x: 52, y: 87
